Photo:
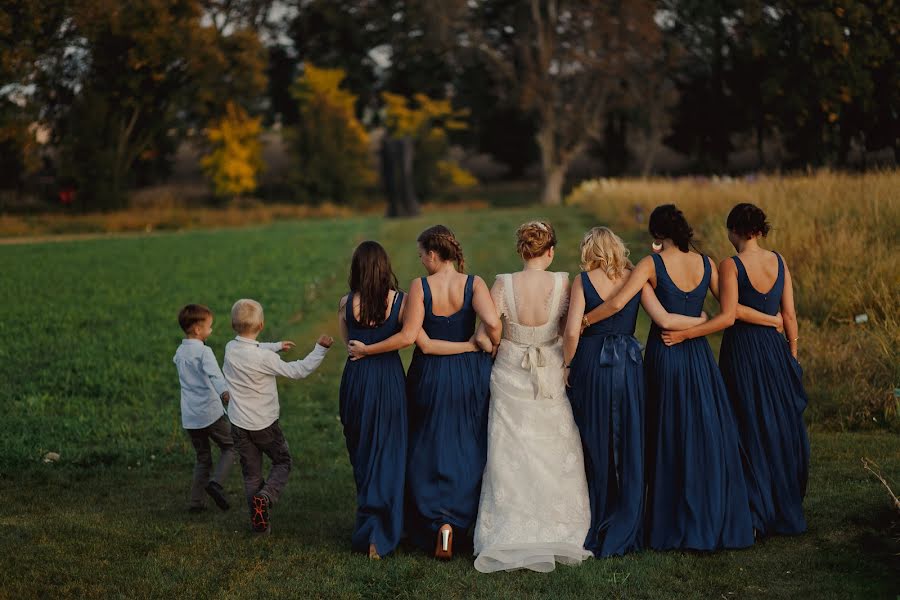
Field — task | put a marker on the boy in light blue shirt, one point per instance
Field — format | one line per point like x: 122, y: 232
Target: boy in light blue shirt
x: 203, y: 390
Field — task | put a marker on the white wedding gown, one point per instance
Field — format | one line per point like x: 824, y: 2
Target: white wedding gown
x: 534, y: 508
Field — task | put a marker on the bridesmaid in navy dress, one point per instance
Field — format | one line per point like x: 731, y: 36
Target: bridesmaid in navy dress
x: 373, y: 401
x: 696, y: 494
x: 605, y: 380
x: 448, y: 386
x: 764, y: 379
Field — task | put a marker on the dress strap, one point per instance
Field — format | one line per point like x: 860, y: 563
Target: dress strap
x: 587, y: 286
x: 426, y: 291
x: 510, y: 297
x: 467, y: 295
x: 585, y: 282
x: 741, y: 269
x: 395, y: 307
x: 707, y: 271
x: 348, y: 309
x: 555, y: 298
x: 660, y: 266
x: 780, y: 278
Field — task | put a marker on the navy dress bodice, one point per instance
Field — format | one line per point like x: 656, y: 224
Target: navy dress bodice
x: 373, y: 413
x: 765, y: 302
x: 765, y: 386
x: 373, y: 335
x: 457, y: 327
x: 606, y: 390
x: 673, y: 298
x: 622, y: 323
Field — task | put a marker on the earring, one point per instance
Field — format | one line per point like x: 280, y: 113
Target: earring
x: 656, y: 246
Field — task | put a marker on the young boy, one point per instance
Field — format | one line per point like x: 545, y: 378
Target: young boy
x: 250, y: 368
x: 203, y: 391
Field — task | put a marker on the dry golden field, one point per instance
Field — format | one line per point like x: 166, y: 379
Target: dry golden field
x: 838, y: 233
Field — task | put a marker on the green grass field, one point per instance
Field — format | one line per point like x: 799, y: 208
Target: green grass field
x: 89, y: 330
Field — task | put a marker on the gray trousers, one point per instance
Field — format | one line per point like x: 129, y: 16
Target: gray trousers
x: 251, y: 445
x: 220, y: 434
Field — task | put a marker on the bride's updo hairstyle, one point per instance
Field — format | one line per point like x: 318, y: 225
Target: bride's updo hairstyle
x: 442, y: 242
x: 666, y: 221
x: 534, y: 238
x: 747, y: 220
x: 603, y: 249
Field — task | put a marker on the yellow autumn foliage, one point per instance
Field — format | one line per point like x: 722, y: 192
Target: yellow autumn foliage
x: 330, y: 144
x: 235, y: 161
x: 427, y: 120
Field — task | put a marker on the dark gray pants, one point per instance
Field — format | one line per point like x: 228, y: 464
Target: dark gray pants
x: 220, y: 434
x: 251, y: 445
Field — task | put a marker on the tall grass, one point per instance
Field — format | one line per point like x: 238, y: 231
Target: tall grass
x: 838, y: 234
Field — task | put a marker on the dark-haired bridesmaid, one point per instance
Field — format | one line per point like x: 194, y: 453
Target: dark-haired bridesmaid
x: 764, y: 379
x: 373, y: 399
x: 696, y: 495
x: 448, y: 386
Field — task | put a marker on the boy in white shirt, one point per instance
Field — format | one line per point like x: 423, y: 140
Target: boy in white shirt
x: 250, y: 368
x: 202, y: 392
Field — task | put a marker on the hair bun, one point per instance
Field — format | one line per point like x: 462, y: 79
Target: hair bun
x: 667, y: 221
x: 534, y: 238
x: 747, y: 220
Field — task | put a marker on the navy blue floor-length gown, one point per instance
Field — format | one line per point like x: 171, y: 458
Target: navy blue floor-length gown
x: 764, y: 382
x: 606, y: 389
x: 373, y: 413
x: 448, y: 407
x: 696, y: 495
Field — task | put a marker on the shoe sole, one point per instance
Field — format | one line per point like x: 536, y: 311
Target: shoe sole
x: 259, y: 514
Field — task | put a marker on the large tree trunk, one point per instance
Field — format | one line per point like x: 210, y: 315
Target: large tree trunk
x: 553, y: 185
x: 553, y: 165
x: 397, y: 158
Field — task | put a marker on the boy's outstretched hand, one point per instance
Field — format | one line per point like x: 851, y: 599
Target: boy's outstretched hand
x: 325, y: 340
x: 225, y: 397
x: 287, y: 345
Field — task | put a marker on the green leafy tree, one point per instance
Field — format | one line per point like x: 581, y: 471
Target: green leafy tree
x: 131, y: 82
x: 329, y: 144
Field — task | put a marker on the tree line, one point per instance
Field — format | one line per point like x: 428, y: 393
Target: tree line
x: 117, y: 86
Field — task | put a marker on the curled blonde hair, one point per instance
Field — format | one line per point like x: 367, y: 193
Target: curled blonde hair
x: 603, y: 249
x: 534, y: 238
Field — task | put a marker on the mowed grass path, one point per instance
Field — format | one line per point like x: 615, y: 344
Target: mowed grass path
x: 88, y: 334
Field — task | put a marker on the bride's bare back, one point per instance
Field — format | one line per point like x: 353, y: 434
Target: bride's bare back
x: 533, y: 293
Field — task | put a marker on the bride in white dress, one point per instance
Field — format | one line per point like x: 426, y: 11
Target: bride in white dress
x: 534, y: 508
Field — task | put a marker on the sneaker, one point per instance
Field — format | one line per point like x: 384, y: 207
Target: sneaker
x: 216, y: 492
x: 259, y: 513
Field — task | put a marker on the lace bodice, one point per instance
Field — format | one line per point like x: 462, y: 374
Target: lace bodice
x: 506, y: 299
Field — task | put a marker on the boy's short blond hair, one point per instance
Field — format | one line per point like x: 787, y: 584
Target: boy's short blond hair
x: 246, y: 315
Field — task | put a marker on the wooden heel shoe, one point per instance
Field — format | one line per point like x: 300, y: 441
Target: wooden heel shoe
x: 444, y: 547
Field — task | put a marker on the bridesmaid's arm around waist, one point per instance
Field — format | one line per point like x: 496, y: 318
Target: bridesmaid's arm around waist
x: 663, y: 318
x: 443, y: 347
x: 755, y: 317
